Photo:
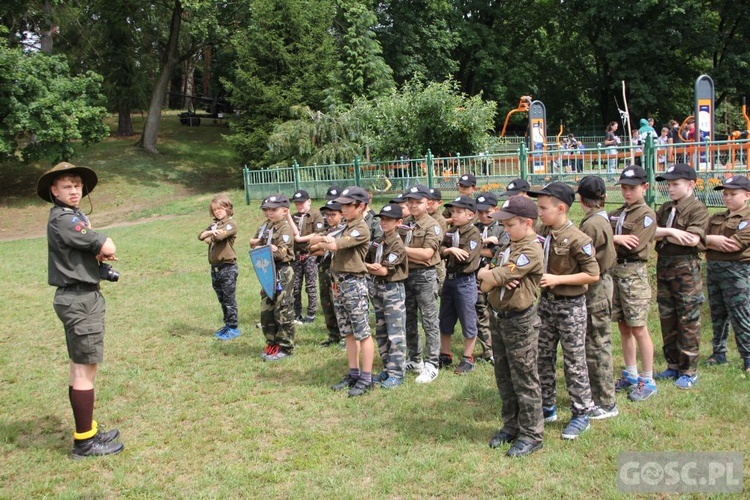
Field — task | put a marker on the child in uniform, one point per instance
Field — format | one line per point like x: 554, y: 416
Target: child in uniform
x: 334, y: 221
x: 350, y: 299
x: 389, y: 266
x: 461, y: 249
x: 593, y: 192
x: 681, y: 234
x: 569, y: 267
x: 634, y: 226
x: 728, y: 270
x: 307, y: 222
x: 277, y: 313
x: 219, y: 237
x: 515, y: 328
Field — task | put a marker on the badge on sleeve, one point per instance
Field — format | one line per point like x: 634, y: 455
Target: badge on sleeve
x: 742, y: 225
x: 522, y: 260
x: 588, y: 249
x: 229, y: 227
x: 647, y: 221
x: 285, y: 237
x: 437, y: 230
x: 319, y: 225
x: 392, y: 257
x: 472, y: 244
x: 355, y: 233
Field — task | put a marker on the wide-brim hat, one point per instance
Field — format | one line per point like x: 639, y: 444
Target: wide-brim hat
x: 44, y: 184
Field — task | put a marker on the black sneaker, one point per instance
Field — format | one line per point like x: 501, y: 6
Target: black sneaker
x: 360, y: 388
x: 716, y: 359
x: 308, y: 319
x: 445, y: 360
x: 501, y: 438
x: 107, y: 436
x: 329, y: 343
x: 95, y: 447
x: 522, y: 448
x: 347, y: 381
x: 465, y: 366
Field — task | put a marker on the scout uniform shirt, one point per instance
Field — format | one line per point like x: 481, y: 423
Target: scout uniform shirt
x: 735, y: 226
x: 389, y: 251
x: 467, y: 238
x: 423, y: 233
x: 441, y: 221
x: 568, y: 250
x: 281, y: 235
x: 308, y: 223
x: 72, y: 248
x: 221, y: 249
x: 373, y: 225
x: 352, y: 248
x: 493, y: 229
x: 596, y: 226
x: 523, y: 260
x: 687, y: 214
x: 637, y: 219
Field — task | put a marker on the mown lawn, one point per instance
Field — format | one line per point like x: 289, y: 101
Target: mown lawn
x: 201, y: 418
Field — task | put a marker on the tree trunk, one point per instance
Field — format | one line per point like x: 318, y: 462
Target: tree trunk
x: 169, y: 62
x: 190, y: 85
x: 45, y: 38
x: 124, y: 121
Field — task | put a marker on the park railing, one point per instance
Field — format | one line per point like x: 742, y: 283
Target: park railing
x: 714, y: 161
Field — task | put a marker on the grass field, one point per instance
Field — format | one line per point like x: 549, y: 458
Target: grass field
x: 201, y: 418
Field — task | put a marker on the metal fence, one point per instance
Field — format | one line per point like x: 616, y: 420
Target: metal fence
x: 714, y: 161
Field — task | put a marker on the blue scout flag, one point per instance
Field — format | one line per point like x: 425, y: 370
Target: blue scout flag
x: 265, y: 269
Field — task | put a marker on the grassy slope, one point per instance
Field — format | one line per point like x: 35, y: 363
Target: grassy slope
x: 200, y: 418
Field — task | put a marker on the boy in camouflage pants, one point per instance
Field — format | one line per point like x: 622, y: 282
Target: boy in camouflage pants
x: 388, y: 265
x: 307, y: 221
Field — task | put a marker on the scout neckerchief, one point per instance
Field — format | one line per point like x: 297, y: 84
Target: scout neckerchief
x: 548, y: 244
x: 503, y: 261
x: 300, y: 222
x: 456, y: 239
x: 334, y: 233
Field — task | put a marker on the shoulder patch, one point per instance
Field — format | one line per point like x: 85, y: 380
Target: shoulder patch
x: 437, y: 230
x: 742, y: 225
x: 647, y: 221
x: 319, y: 225
x: 522, y: 260
x: 285, y: 237
x: 392, y: 257
x: 229, y: 227
x: 355, y: 233
x: 472, y: 244
x: 588, y: 249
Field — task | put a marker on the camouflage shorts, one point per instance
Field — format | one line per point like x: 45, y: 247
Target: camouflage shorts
x: 351, y: 303
x: 632, y: 293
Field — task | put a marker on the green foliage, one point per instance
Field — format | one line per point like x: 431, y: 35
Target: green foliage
x: 44, y: 108
x: 284, y: 57
x: 361, y: 70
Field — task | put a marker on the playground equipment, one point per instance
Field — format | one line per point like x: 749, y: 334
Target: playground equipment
x: 523, y: 107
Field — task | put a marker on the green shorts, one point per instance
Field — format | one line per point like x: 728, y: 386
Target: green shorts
x: 632, y: 293
x: 82, y: 315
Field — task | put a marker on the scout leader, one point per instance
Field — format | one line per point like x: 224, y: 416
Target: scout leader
x: 634, y: 226
x: 515, y: 327
x: 681, y: 235
x: 569, y: 267
x: 277, y: 313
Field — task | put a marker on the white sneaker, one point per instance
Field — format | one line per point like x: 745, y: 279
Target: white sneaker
x: 429, y: 374
x: 414, y: 366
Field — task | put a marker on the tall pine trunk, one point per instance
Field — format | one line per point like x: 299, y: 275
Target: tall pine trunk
x: 124, y: 121
x: 168, y: 64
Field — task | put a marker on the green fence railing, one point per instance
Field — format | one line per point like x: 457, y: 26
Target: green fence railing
x: 714, y: 161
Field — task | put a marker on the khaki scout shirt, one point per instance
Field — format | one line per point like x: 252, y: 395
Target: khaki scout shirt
x: 352, y: 248
x: 440, y: 220
x: 525, y: 263
x: 281, y: 236
x: 691, y: 216
x: 470, y: 240
x: 373, y: 224
x: 569, y: 251
x: 72, y: 248
x: 389, y: 251
x: 493, y: 229
x: 639, y: 220
x: 735, y: 226
x: 425, y: 233
x: 596, y: 226
x: 308, y: 223
x: 221, y: 248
